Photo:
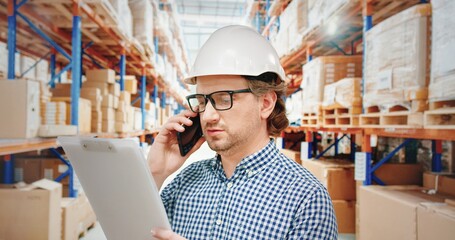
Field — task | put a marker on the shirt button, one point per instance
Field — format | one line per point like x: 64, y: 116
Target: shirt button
x: 219, y: 222
x: 229, y: 185
x: 250, y: 173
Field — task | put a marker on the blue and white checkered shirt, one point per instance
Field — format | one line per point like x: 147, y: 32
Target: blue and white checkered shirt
x: 269, y: 196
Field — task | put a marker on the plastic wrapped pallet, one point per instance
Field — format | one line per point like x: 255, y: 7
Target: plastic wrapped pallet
x: 325, y: 70
x: 125, y: 19
x: 344, y: 93
x: 332, y: 6
x: 396, y: 62
x: 142, y: 12
x: 442, y: 85
x: 315, y: 13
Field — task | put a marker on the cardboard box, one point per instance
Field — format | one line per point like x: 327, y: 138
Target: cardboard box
x: 336, y: 175
x: 121, y: 116
x: 108, y: 101
x: 27, y: 170
x: 33, y: 212
x: 442, y: 183
x: 77, y: 216
x: 57, y: 130
x: 100, y: 75
x: 345, y: 214
x: 114, y: 89
x: 51, y: 168
x: 108, y: 114
x: 294, y: 155
x: 125, y: 96
x: 400, y: 174
x: 131, y: 84
x: 121, y: 127
x: 92, y: 94
x: 108, y: 126
x: 84, y: 116
x: 19, y: 104
x: 435, y: 221
x: 102, y: 86
x: 391, y: 212
x: 116, y: 102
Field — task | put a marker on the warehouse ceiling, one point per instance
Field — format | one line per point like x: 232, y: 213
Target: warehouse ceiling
x: 200, y: 18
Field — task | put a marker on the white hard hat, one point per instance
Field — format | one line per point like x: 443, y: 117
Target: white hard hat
x: 235, y: 50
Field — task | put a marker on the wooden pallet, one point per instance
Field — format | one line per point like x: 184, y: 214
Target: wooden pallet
x: 312, y: 119
x: 433, y: 105
x: 399, y: 119
x: 341, y: 117
x: 443, y: 118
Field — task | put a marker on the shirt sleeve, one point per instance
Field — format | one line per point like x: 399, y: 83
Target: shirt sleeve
x: 315, y: 219
x: 168, y: 196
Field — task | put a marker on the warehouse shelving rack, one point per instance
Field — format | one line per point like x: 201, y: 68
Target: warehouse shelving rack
x: 360, y: 16
x: 101, y: 35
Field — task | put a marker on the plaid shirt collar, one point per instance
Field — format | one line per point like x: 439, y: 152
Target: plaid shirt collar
x: 251, y: 164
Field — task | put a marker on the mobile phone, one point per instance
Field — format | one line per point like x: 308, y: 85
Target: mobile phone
x: 190, y: 136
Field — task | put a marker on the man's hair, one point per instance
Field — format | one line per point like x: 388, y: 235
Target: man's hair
x: 260, y: 85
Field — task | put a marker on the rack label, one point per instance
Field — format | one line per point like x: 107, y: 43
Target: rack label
x: 360, y: 166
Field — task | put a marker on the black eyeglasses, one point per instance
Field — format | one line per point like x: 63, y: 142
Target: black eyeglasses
x: 220, y: 100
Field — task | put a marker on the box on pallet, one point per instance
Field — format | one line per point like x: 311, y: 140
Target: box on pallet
x: 100, y: 75
x: 343, y: 94
x: 22, y: 118
x: 39, y: 216
x: 85, y: 112
x: 401, y: 74
x: 326, y: 70
x: 442, y: 85
x: 142, y: 12
x: 114, y: 89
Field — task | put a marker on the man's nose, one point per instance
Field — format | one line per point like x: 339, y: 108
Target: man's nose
x: 210, y: 114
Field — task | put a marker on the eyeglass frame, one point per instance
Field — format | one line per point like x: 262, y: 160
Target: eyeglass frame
x: 208, y: 97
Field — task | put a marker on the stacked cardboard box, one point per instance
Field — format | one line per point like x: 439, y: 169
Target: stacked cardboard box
x: 84, y: 114
x: 104, y: 80
x: 124, y: 115
x: 338, y: 177
x: 326, y: 70
x: 19, y: 101
x: 95, y: 97
x: 400, y: 75
x: 40, y: 212
x: 77, y: 217
x: 53, y: 113
x: 420, y: 215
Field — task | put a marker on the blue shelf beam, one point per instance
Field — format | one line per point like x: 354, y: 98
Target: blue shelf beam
x: 11, y: 38
x: 122, y: 70
x: 436, y: 163
x: 69, y: 173
x: 371, y: 169
x: 53, y: 67
x: 143, y: 89
x: 8, y: 169
x: 335, y: 145
x: 76, y: 65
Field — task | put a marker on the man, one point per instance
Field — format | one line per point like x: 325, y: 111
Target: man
x: 249, y: 190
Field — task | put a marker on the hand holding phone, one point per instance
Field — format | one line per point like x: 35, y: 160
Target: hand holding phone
x: 190, y: 136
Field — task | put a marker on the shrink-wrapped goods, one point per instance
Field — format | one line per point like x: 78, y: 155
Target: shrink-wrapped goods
x: 396, y: 59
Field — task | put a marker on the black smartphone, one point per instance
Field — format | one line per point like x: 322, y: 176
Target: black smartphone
x: 190, y: 136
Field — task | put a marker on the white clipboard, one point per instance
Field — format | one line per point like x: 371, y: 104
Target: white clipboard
x: 117, y: 181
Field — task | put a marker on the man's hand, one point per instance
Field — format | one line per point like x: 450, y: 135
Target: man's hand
x: 164, y: 157
x: 163, y: 234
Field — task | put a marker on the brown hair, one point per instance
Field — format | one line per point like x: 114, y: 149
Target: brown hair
x: 260, y: 85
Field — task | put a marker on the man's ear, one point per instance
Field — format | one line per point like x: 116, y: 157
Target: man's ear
x: 268, y: 104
